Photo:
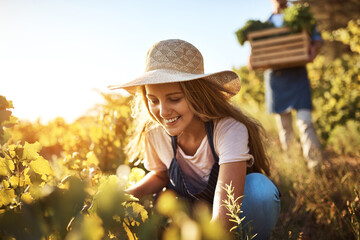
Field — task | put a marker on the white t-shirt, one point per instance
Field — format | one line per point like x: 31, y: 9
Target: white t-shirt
x: 230, y: 142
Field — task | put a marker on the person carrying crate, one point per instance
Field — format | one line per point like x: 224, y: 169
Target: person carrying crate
x: 288, y: 89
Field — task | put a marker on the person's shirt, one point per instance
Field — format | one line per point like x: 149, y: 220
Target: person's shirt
x: 278, y: 20
x: 230, y: 142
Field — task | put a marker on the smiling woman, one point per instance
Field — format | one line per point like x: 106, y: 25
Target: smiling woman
x: 169, y: 107
x: 196, y: 141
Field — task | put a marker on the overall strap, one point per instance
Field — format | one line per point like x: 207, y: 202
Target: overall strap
x: 174, y: 144
x: 210, y: 134
x: 182, y: 185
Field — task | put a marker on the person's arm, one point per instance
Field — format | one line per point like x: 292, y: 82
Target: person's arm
x: 152, y: 183
x: 235, y: 174
x: 314, y: 49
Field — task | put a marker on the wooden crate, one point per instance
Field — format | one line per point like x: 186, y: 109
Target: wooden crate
x: 285, y: 50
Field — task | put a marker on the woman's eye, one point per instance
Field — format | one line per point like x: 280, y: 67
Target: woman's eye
x: 152, y: 101
x: 174, y: 99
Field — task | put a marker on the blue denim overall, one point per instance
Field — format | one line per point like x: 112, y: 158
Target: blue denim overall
x: 261, y: 200
x: 182, y: 185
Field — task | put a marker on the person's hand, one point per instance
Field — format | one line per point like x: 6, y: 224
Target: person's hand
x: 314, y: 49
x: 250, y: 67
x: 312, y: 53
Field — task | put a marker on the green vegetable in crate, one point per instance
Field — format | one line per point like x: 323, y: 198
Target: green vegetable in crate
x: 250, y: 26
x: 298, y: 17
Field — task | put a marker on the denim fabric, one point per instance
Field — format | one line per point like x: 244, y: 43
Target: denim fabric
x: 260, y: 205
x: 180, y: 183
x: 286, y: 89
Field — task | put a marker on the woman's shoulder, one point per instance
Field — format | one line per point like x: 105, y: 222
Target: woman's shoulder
x: 231, y: 141
x: 229, y: 123
x: 157, y: 132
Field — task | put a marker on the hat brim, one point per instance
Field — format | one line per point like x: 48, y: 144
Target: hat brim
x: 229, y: 80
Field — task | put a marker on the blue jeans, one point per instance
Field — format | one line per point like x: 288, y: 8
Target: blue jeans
x: 260, y: 205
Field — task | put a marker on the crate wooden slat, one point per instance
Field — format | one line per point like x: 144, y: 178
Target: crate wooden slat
x: 294, y: 45
x: 282, y: 63
x: 277, y: 55
x: 278, y: 48
x: 267, y: 32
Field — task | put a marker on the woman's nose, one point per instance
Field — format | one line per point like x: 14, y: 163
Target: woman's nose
x: 164, y: 110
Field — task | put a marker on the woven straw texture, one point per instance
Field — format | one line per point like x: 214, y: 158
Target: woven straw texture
x: 176, y: 60
x: 176, y: 55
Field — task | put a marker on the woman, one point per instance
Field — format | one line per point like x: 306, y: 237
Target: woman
x: 196, y: 142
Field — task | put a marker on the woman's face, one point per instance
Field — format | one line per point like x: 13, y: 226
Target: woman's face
x: 169, y: 107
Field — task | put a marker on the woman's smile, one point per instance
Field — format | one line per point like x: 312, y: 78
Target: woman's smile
x: 168, y: 106
x: 171, y: 121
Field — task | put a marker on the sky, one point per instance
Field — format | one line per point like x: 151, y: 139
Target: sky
x: 57, y: 55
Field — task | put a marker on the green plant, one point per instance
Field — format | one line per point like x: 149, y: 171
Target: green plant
x: 23, y: 172
x: 353, y: 214
x: 349, y: 35
x: 298, y: 17
x: 234, y: 209
x: 345, y: 139
x: 250, y: 26
x: 6, y: 119
x: 336, y: 84
x: 252, y: 86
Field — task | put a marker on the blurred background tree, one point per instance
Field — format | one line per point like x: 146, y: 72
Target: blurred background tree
x: 332, y: 15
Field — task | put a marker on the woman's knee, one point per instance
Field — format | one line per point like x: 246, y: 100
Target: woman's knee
x: 261, y: 204
x: 260, y: 189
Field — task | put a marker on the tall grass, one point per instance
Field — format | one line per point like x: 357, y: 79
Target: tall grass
x: 321, y: 204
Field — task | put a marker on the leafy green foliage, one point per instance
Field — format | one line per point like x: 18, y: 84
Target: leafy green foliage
x: 298, y: 17
x: 250, y: 26
x: 344, y: 139
x: 335, y: 90
x: 252, y: 86
x: 57, y: 182
x: 103, y: 131
x: 187, y: 222
x: 120, y: 213
x: 23, y: 173
x: 336, y: 84
x: 109, y: 134
x: 55, y: 200
x: 6, y: 119
x: 45, y: 217
x: 234, y: 210
x: 349, y: 35
x: 306, y: 200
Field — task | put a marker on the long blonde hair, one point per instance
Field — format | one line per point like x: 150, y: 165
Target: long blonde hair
x: 209, y: 102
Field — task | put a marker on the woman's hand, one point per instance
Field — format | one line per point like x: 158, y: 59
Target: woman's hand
x: 152, y: 183
x: 234, y: 173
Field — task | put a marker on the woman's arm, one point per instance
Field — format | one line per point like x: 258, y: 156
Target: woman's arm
x: 152, y: 183
x: 234, y: 173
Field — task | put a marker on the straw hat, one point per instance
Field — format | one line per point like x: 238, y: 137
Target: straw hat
x: 175, y: 60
